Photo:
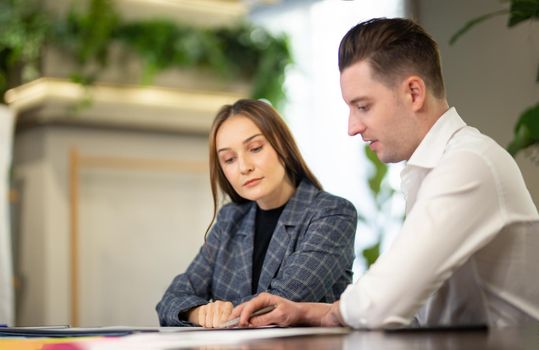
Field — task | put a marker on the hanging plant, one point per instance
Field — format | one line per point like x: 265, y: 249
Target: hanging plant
x: 23, y: 28
x: 242, y: 52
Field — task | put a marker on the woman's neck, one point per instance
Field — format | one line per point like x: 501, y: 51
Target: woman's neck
x: 279, y: 197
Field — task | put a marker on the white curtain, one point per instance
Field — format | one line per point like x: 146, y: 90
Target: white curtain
x: 6, y: 270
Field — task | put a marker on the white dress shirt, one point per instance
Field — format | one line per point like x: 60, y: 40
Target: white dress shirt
x: 468, y: 251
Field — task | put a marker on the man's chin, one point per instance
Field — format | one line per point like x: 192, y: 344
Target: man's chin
x: 386, y: 159
x: 381, y: 157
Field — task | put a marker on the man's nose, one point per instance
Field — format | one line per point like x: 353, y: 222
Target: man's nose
x: 355, y: 126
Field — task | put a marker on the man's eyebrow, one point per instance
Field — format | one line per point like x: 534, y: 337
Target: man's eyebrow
x: 359, y: 99
x: 244, y: 142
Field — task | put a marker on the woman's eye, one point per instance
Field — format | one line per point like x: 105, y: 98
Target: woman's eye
x: 228, y: 160
x: 256, y: 149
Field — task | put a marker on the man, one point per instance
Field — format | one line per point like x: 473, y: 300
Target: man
x: 467, y: 251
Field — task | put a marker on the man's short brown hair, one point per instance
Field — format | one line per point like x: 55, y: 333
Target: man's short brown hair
x: 394, y: 47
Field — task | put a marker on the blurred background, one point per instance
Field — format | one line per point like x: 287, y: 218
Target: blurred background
x: 105, y: 106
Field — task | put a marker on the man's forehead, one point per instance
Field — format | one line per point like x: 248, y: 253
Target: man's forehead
x: 360, y: 67
x: 359, y: 80
x: 359, y: 73
x: 355, y: 81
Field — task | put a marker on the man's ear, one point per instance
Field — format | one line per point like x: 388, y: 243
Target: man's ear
x: 416, y: 91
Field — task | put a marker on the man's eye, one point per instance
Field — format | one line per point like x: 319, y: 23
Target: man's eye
x: 363, y: 108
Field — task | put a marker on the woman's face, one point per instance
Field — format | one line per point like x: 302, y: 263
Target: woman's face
x: 251, y: 164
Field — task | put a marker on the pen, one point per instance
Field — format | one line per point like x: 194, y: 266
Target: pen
x: 235, y: 321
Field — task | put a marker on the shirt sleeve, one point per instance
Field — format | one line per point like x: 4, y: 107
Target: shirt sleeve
x: 457, y: 212
x: 323, y: 254
x: 192, y: 288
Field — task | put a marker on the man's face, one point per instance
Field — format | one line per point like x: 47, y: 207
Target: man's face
x: 382, y: 115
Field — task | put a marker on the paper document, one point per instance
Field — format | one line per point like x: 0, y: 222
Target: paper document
x: 166, y: 341
x: 66, y: 331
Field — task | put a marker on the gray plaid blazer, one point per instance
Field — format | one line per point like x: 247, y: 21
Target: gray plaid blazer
x: 309, y: 257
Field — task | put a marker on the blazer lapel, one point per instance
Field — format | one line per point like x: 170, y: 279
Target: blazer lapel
x: 285, y: 232
x: 244, y: 266
x: 275, y: 255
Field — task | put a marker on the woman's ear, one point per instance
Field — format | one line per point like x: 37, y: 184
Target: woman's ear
x: 416, y: 90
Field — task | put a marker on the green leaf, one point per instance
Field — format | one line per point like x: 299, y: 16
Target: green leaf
x: 522, y: 10
x: 380, y: 170
x: 274, y: 58
x: 526, y: 131
x: 472, y: 23
x: 94, y: 31
x: 371, y: 253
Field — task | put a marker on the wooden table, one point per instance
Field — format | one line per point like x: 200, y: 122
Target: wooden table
x: 509, y: 338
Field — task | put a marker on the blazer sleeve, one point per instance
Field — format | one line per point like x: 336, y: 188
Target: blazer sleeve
x: 322, y: 255
x: 192, y: 288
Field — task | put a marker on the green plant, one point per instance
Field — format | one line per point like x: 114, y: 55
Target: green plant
x: 242, y: 52
x: 526, y: 131
x: 87, y: 38
x: 381, y: 194
x: 23, y: 28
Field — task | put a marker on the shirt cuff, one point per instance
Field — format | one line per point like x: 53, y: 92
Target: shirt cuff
x: 350, y: 308
x: 359, y: 312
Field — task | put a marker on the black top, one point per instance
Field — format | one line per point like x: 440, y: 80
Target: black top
x: 265, y: 223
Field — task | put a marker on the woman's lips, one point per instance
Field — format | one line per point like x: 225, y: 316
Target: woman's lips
x: 252, y: 182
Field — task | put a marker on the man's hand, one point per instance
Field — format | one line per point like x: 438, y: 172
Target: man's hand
x: 211, y: 315
x: 286, y: 312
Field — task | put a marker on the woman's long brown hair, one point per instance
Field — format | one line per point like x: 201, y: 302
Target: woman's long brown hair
x: 275, y: 130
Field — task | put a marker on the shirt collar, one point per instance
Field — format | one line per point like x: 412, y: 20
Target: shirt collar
x: 430, y: 150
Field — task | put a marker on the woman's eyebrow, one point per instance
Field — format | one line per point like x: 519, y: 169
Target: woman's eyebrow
x: 244, y: 142
x: 251, y: 137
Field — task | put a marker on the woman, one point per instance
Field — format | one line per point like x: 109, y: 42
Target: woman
x: 281, y: 233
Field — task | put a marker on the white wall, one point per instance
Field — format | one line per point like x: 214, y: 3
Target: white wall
x: 7, y: 119
x: 490, y: 72
x: 137, y: 228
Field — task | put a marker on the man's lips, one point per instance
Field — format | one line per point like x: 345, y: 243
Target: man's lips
x: 372, y: 143
x: 251, y: 182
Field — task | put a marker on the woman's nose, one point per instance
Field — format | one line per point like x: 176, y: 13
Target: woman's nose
x: 245, y: 166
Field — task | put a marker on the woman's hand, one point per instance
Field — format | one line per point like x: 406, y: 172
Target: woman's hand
x: 211, y: 315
